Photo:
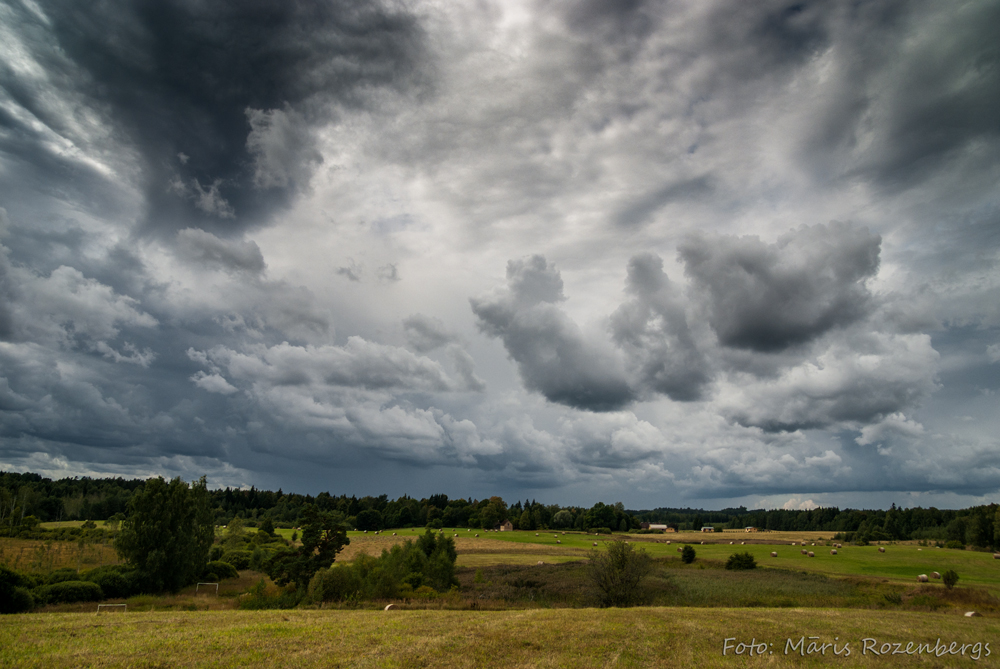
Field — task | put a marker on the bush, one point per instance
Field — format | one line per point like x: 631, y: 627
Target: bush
x: 15, y: 596
x: 687, y: 555
x: 60, y: 575
x: 221, y: 570
x: 740, y: 561
x: 68, y: 592
x: 599, y: 530
x: 239, y: 559
x: 116, y: 581
x: 950, y: 578
x: 955, y: 544
x: 334, y: 584
x: 617, y: 573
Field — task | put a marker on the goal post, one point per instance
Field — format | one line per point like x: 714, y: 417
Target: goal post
x: 207, y: 586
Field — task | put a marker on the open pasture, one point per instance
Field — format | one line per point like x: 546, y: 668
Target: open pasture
x: 642, y: 637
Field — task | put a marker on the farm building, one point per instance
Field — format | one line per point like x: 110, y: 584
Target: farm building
x: 708, y: 528
x: 505, y: 526
x: 750, y: 528
x: 656, y: 526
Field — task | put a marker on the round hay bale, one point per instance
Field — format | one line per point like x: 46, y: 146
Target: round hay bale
x: 540, y: 563
x: 811, y: 554
x: 743, y: 543
x: 774, y: 554
x: 922, y: 578
x: 934, y: 574
x: 366, y: 531
x: 833, y: 552
x: 803, y: 551
x: 477, y: 534
x: 973, y: 614
x: 595, y: 543
x: 702, y: 543
x: 536, y: 534
x: 730, y: 543
x: 558, y: 541
x: 996, y: 556
x: 668, y: 543
x: 680, y: 550
x: 881, y: 549
x: 390, y: 607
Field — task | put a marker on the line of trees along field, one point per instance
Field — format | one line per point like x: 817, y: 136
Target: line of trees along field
x: 27, y: 499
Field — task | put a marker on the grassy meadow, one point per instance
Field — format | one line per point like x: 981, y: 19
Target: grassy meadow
x: 524, y: 601
x: 577, y: 638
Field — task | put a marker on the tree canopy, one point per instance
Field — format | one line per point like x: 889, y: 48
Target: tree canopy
x: 168, y: 533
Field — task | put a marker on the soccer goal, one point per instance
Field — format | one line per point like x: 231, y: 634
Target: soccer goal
x: 197, y: 588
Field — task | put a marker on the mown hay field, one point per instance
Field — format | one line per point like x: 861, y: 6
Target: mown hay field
x: 578, y: 638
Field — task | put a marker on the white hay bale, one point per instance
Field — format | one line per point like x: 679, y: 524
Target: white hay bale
x: 668, y: 543
x: 477, y: 534
x: 390, y: 607
x: 595, y: 543
x: 456, y: 534
x: 811, y: 554
x: 558, y: 541
x: 973, y: 614
x: 366, y: 531
x: 881, y: 549
x: 540, y: 563
x: 996, y: 556
x: 680, y: 550
x: 773, y: 554
x: 743, y: 543
x: 730, y: 543
x: 536, y: 534
x: 934, y: 574
x: 702, y: 543
x: 922, y: 578
x: 803, y: 551
x: 393, y: 534
x: 833, y: 552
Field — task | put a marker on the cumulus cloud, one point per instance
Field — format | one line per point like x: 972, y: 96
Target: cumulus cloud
x: 551, y: 353
x: 767, y: 297
x: 424, y: 334
x: 652, y: 328
x: 853, y: 382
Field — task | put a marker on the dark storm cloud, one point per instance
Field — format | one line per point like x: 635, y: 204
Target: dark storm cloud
x: 767, y: 297
x: 218, y: 96
x: 652, y: 328
x: 916, y: 92
x: 551, y: 353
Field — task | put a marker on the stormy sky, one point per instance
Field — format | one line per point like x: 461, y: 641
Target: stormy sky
x: 666, y: 253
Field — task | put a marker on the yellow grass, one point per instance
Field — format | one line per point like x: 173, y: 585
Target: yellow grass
x: 577, y: 638
x: 45, y: 556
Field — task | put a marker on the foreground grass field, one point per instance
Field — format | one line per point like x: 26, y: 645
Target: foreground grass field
x: 577, y: 638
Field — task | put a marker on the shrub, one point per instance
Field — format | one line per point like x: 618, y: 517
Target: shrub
x: 334, y: 584
x: 221, y: 570
x: 600, y: 530
x: 687, y: 555
x: 955, y: 544
x: 239, y: 559
x: 617, y: 573
x: 740, y: 561
x: 60, y: 575
x: 69, y: 591
x: 116, y: 581
x: 950, y: 578
x: 14, y: 594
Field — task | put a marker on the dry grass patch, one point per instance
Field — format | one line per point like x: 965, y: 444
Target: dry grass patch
x: 45, y: 556
x: 578, y: 638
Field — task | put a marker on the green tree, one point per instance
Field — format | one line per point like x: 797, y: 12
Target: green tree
x: 168, y: 533
x: 687, y: 555
x: 950, y: 578
x: 740, y: 561
x: 322, y: 538
x: 617, y: 573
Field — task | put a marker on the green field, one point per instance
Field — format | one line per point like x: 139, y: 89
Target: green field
x: 523, y: 603
x: 572, y: 638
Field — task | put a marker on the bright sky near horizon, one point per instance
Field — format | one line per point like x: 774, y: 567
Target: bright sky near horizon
x: 701, y: 253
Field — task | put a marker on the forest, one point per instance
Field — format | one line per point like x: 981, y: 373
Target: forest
x: 27, y: 499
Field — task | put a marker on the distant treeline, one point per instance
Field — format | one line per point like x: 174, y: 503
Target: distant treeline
x: 26, y: 499
x: 976, y: 526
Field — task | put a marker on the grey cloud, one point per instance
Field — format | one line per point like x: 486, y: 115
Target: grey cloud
x: 179, y: 78
x: 855, y: 381
x: 207, y: 249
x: 351, y: 272
x: 652, y: 328
x: 424, y: 333
x: 767, y: 297
x: 551, y: 353
x: 281, y: 145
